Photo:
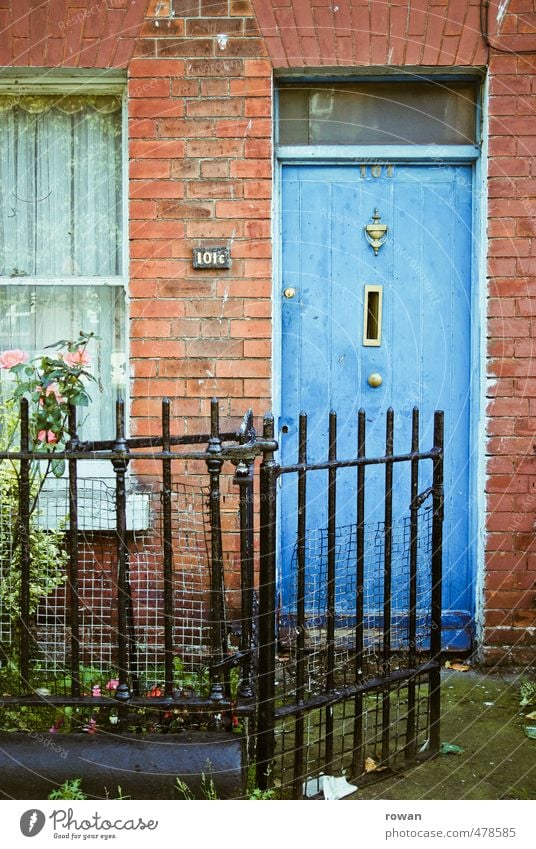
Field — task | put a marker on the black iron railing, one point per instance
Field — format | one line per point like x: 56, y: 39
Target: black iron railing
x: 330, y: 659
x: 381, y: 645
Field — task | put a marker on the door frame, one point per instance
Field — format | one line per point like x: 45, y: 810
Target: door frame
x: 476, y: 156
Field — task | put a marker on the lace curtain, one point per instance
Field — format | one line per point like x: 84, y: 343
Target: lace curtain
x: 60, y: 187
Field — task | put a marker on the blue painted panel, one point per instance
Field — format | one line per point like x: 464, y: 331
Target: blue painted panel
x: 424, y: 359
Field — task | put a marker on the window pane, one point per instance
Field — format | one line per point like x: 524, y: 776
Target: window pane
x: 378, y: 113
x: 60, y: 187
x: 32, y: 317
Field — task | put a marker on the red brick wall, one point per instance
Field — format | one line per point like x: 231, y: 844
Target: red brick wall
x: 69, y: 33
x: 510, y: 575
x: 200, y: 168
x: 199, y: 128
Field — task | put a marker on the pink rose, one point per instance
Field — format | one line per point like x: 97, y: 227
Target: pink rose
x: 8, y: 359
x: 77, y: 359
x: 47, y: 436
x: 96, y: 690
x: 112, y: 684
x: 52, y: 389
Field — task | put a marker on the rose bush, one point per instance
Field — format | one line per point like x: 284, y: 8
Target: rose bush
x: 51, y: 384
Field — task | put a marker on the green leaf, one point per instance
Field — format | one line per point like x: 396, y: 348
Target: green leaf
x: 58, y: 468
x: 80, y: 400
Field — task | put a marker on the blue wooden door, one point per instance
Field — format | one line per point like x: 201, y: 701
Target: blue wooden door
x: 424, y: 355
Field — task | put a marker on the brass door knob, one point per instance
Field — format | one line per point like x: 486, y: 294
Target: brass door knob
x: 375, y: 380
x: 289, y: 293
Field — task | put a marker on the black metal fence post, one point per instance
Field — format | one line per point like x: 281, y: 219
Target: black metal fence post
x: 437, y: 558
x: 74, y: 597
x: 357, y: 759
x: 267, y: 612
x: 387, y: 585
x: 25, y: 550
x: 120, y: 464
x: 299, y: 725
x: 330, y: 587
x: 168, y: 550
x: 217, y: 599
x: 244, y: 478
x: 413, y: 576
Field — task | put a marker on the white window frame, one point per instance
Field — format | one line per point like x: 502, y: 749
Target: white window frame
x: 88, y: 82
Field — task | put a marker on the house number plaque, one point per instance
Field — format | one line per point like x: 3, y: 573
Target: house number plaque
x: 209, y: 257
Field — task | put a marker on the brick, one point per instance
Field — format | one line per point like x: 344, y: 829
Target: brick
x: 258, y: 308
x: 258, y: 149
x: 211, y: 8
x: 157, y: 189
x: 502, y: 146
x: 508, y: 407
x: 148, y: 87
x: 259, y: 107
x: 210, y: 189
x: 213, y: 26
x: 229, y: 107
x: 220, y: 348
x: 241, y: 7
x: 258, y: 68
x: 147, y: 328
x: 217, y: 307
x: 155, y: 149
x: 157, y: 348
x: 251, y: 328
x: 244, y: 47
x: 215, y: 148
x: 156, y: 108
x: 254, y: 169
x: 163, y: 28
x: 509, y: 247
x: 214, y: 168
x: 214, y: 67
x: 156, y: 308
x: 213, y: 229
x: 178, y: 287
x: 258, y: 189
x: 157, y: 68
x: 184, y: 168
x: 184, y: 88
x: 241, y: 209
x: 261, y: 348
x: 251, y: 87
x: 186, y: 47
x: 142, y: 209
x: 501, y: 348
x: 150, y: 249
x: 141, y: 128
x: 188, y: 368
x: 172, y: 209
x: 211, y: 87
x: 149, y: 169
x: 184, y: 127
x: 243, y: 368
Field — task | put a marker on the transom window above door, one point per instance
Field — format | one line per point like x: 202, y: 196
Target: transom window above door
x: 61, y: 200
x: 378, y: 113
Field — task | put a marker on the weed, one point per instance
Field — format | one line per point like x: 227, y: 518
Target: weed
x: 527, y: 694
x: 70, y: 789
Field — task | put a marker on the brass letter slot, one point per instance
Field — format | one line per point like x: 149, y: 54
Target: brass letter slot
x: 372, y: 316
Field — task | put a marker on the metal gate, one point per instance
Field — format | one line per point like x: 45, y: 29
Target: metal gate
x: 172, y: 625
x: 351, y: 689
